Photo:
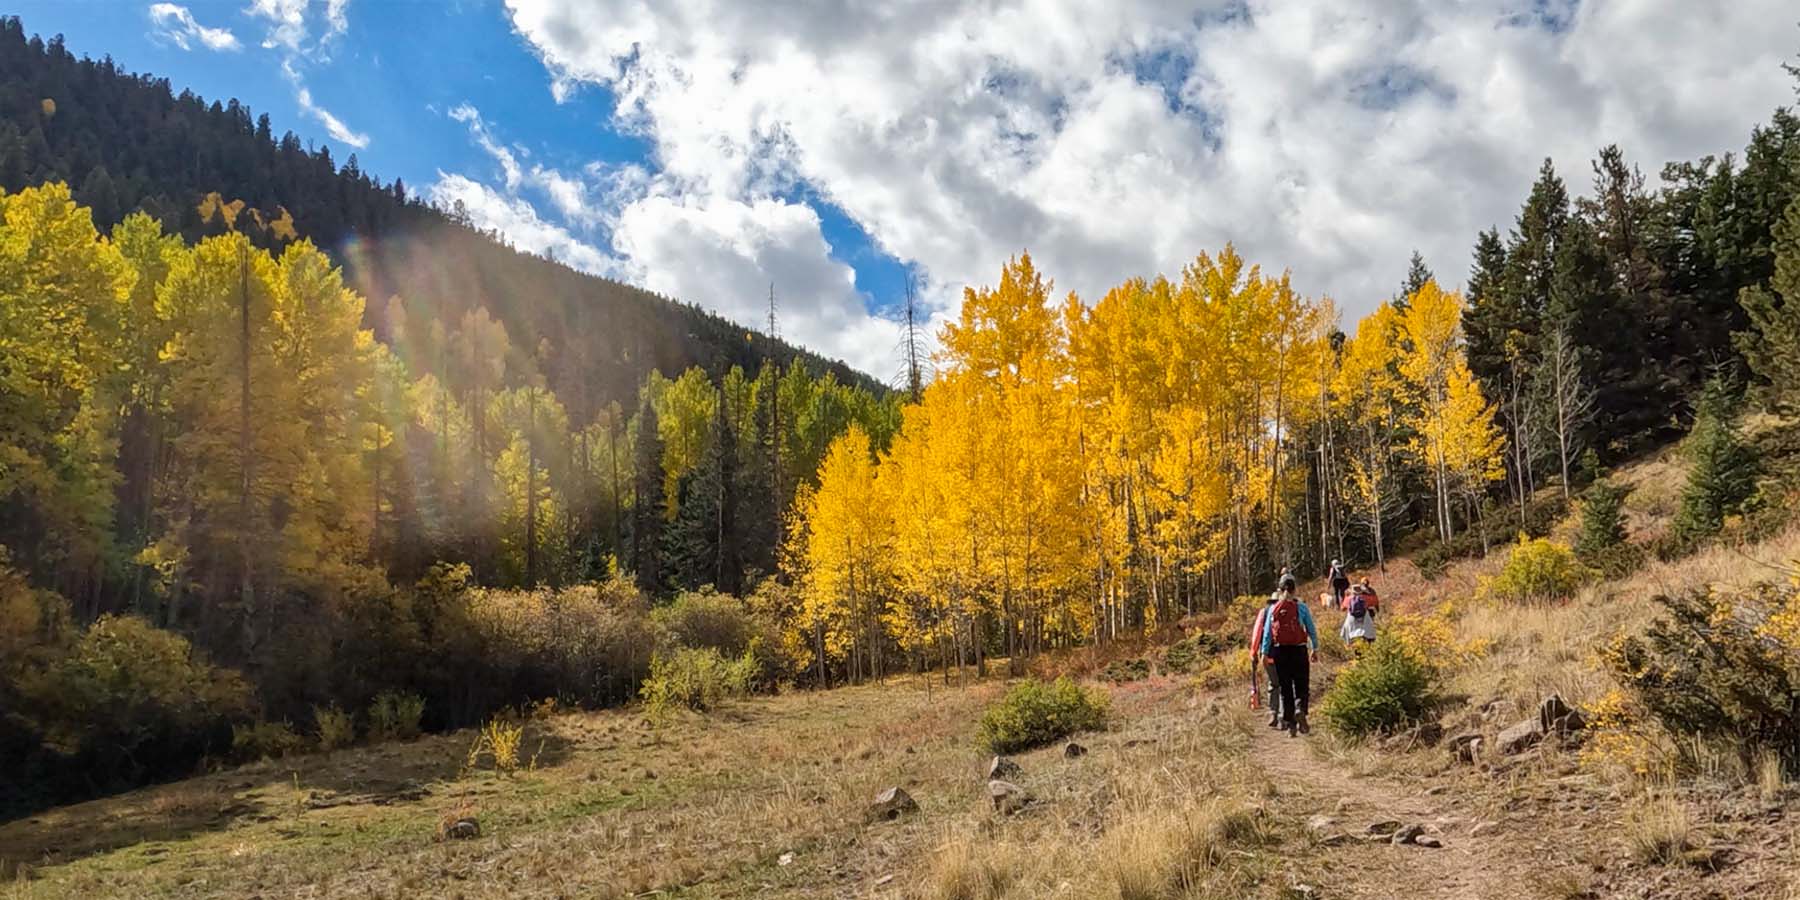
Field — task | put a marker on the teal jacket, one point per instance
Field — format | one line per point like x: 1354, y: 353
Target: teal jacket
x: 1306, y: 621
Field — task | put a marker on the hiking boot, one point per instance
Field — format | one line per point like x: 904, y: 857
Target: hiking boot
x: 1305, y: 728
x: 1274, y: 720
x: 1291, y: 729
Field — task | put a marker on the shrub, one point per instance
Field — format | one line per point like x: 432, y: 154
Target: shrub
x: 1033, y: 714
x: 394, y: 716
x: 1385, y: 688
x: 264, y: 740
x: 335, y: 727
x: 707, y: 619
x: 1539, y: 570
x: 1185, y: 655
x: 129, y: 698
x: 589, y: 645
x: 695, y: 679
x: 499, y: 740
x: 1120, y: 671
x: 1712, y: 668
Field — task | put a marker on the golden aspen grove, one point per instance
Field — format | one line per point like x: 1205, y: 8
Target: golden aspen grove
x: 1078, y: 471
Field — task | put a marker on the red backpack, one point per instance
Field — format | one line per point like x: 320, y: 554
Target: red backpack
x: 1285, y: 619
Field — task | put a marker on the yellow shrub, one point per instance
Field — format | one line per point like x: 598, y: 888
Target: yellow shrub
x: 1538, y: 571
x: 498, y: 740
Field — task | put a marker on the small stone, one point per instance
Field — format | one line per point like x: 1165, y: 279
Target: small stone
x: 462, y: 830
x: 1002, y: 768
x: 1072, y: 750
x: 1408, y: 834
x: 1008, y: 798
x: 1426, y: 840
x: 1521, y: 736
x: 1549, y: 711
x: 891, y: 804
x: 1384, y: 827
x: 1321, y: 825
x: 786, y: 859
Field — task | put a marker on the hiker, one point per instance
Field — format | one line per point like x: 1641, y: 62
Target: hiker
x: 1340, y: 583
x: 1359, y: 617
x: 1257, y: 659
x: 1290, y: 643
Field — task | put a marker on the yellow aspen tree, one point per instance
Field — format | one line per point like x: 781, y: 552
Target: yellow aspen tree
x: 847, y: 554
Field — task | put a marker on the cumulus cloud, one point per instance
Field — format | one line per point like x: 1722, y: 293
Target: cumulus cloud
x: 1329, y: 139
x: 288, y: 34
x: 518, y: 221
x: 721, y: 252
x: 175, y: 24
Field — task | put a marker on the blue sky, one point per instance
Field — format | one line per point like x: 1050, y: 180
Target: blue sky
x: 707, y: 148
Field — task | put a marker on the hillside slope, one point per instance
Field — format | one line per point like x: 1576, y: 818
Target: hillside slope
x: 126, y: 141
x: 1185, y: 795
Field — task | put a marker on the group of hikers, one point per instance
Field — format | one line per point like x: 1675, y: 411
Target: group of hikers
x: 1284, y: 642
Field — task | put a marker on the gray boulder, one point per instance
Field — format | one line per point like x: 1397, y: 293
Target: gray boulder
x: 1007, y: 798
x: 892, y: 804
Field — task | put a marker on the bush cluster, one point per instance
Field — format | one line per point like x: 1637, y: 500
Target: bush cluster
x: 1188, y: 654
x: 695, y: 678
x: 1499, y: 524
x: 1382, y: 690
x: 1539, y: 571
x: 1719, y: 668
x: 1120, y: 671
x: 1034, y: 713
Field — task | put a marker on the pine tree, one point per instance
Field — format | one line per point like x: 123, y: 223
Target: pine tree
x: 1417, y: 273
x: 647, y: 500
x: 1602, y: 521
x: 1771, y: 346
x: 1723, y: 472
x: 700, y: 545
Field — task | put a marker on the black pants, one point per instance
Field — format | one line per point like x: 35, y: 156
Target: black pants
x: 1293, y: 670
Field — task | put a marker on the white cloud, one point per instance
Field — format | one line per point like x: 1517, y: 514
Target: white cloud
x: 515, y: 219
x: 722, y: 253
x: 334, y: 126
x: 1329, y: 139
x: 174, y: 23
x: 287, y: 34
x: 287, y: 22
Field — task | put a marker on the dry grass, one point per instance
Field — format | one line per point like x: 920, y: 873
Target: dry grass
x: 1659, y: 830
x: 1771, y: 777
x: 1179, y: 850
x: 968, y: 868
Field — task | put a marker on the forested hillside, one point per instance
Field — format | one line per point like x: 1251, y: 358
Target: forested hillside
x: 126, y: 142
x: 250, y: 498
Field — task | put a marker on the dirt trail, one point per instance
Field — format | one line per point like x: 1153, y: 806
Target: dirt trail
x: 1492, y: 864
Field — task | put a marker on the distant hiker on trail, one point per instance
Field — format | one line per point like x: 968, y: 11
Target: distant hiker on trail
x: 1291, y: 644
x: 1359, y: 616
x: 1258, y: 661
x: 1340, y: 583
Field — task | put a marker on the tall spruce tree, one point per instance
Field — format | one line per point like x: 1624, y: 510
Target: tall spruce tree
x: 1771, y: 346
x: 1613, y: 288
x: 1723, y: 472
x: 699, y: 547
